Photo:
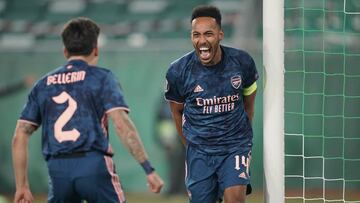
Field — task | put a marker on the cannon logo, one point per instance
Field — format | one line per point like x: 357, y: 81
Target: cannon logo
x: 236, y: 81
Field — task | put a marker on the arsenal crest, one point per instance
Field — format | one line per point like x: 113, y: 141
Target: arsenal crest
x: 236, y: 81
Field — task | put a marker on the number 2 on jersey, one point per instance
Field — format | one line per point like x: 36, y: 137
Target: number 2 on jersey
x: 70, y: 135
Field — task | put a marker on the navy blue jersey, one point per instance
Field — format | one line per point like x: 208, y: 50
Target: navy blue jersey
x: 71, y: 103
x: 214, y: 118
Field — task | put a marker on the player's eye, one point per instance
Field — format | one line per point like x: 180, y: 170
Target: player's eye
x: 209, y: 34
x: 195, y: 35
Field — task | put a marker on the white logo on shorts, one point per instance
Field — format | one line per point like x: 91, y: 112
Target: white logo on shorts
x: 189, y: 194
x: 243, y: 175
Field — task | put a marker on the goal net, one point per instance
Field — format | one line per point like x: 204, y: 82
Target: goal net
x: 322, y: 100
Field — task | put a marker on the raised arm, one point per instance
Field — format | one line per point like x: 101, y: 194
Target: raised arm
x: 126, y: 131
x: 20, y: 143
x: 177, y: 111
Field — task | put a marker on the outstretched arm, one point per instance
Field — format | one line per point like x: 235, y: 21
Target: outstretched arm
x: 177, y: 111
x: 20, y: 142
x: 126, y: 131
x: 129, y: 136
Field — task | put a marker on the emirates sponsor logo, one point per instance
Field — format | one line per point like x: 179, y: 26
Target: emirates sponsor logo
x: 217, y: 100
x: 217, y: 104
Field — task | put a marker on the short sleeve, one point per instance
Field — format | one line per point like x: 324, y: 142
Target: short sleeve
x: 251, y: 74
x: 112, y: 94
x: 172, y: 86
x: 31, y: 111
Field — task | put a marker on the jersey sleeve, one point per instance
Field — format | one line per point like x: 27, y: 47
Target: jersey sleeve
x: 31, y: 111
x: 173, y: 86
x: 251, y: 74
x: 112, y: 94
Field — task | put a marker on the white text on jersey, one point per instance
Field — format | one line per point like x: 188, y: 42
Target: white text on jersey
x: 66, y: 78
x: 217, y: 104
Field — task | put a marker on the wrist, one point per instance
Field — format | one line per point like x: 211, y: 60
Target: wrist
x: 147, y: 167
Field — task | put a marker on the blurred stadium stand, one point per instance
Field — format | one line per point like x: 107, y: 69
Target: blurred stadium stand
x: 32, y: 21
x: 29, y: 22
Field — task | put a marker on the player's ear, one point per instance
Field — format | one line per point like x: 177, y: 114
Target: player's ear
x: 221, y: 35
x: 96, y: 51
x: 66, y: 53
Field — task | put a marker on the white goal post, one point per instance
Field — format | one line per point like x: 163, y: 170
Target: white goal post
x: 273, y: 104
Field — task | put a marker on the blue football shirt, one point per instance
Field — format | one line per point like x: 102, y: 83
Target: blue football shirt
x: 214, y: 118
x: 71, y: 103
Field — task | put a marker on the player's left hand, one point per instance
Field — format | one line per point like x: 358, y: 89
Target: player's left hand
x: 155, y: 183
x: 23, y: 195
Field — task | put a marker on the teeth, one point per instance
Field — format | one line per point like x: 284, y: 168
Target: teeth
x: 204, y: 48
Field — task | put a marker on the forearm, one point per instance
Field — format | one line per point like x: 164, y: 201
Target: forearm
x: 250, y: 114
x: 178, y: 124
x: 177, y: 111
x: 19, y: 157
x: 132, y: 142
x: 20, y: 152
x: 128, y: 135
x: 249, y: 105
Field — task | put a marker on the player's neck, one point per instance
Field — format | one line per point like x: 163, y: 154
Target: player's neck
x: 91, y: 60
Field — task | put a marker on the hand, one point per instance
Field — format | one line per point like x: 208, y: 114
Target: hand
x: 155, y: 183
x: 23, y: 195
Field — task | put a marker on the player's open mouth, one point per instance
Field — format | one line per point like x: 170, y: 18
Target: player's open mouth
x: 204, y: 53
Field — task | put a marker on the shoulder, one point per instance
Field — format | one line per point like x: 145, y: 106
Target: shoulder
x: 100, y: 74
x: 182, y: 63
x: 41, y: 82
x: 238, y: 56
x: 99, y: 70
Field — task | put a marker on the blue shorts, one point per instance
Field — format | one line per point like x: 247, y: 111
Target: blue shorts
x: 207, y: 176
x: 86, y: 176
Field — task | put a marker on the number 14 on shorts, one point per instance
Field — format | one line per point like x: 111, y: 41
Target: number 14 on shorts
x: 245, y: 161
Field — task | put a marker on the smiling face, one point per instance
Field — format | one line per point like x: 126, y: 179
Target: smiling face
x: 206, y: 35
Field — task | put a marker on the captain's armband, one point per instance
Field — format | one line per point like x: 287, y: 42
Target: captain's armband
x: 249, y: 90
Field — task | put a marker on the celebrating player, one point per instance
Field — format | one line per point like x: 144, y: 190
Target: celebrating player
x: 211, y: 92
x: 73, y: 103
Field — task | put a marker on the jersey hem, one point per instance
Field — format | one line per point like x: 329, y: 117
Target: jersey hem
x: 116, y: 108
x: 27, y: 121
x: 174, y: 101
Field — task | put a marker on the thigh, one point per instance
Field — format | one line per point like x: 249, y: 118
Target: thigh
x: 201, y: 180
x: 235, y: 171
x: 61, y: 190
x: 235, y: 194
x: 102, y: 185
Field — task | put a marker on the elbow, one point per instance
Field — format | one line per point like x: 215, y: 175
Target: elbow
x: 19, y: 140
x: 16, y: 141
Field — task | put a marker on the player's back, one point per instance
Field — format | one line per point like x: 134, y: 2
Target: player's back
x: 71, y: 103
